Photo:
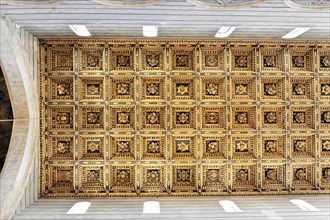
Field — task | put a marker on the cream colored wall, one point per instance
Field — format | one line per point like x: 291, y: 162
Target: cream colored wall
x: 19, y: 61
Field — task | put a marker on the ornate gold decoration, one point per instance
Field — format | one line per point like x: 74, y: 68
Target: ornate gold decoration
x: 153, y: 89
x: 241, y: 146
x: 93, y: 147
x: 298, y: 117
x: 182, y: 146
x: 153, y: 147
x: 212, y: 89
x: 271, y: 174
x: 270, y: 89
x: 182, y: 89
x: 153, y: 117
x: 63, y: 147
x: 61, y: 59
x: 183, y: 175
x: 182, y: 117
x: 270, y: 117
x: 178, y: 118
x: 269, y: 61
x: 299, y: 145
x: 182, y: 59
x: 241, y: 118
x: 298, y: 61
x: 241, y: 61
x: 298, y: 89
x: 325, y: 62
x: 325, y: 89
x: 325, y: 117
x: 93, y: 117
x: 241, y: 89
x: 212, y: 175
x: 325, y: 145
x: 123, y: 176
x: 123, y: 117
x: 93, y: 89
x: 153, y: 175
x: 270, y: 146
x: 273, y: 88
x: 122, y: 88
x: 300, y: 174
x: 212, y: 147
x: 123, y: 146
x: 242, y: 174
x: 301, y: 59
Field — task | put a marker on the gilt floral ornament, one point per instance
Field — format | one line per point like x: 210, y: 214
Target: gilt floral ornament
x: 153, y: 176
x: 270, y: 89
x: 241, y: 61
x: 123, y: 176
x: 182, y: 60
x: 93, y: 146
x: 298, y: 61
x: 93, y: 61
x: 325, y: 89
x: 123, y: 61
x: 93, y: 176
x: 212, y: 175
x: 153, y: 117
x: 212, y: 89
x: 182, y: 146
x: 326, y: 145
x: 326, y: 117
x: 300, y: 145
x: 299, y: 89
x: 212, y: 147
x: 93, y: 117
x: 63, y: 89
x: 299, y: 117
x: 63, y: 147
x: 153, y: 60
x: 153, y: 89
x: 270, y: 146
x: 269, y: 61
x: 183, y: 175
x: 123, y: 147
x: 122, y: 88
x: 93, y: 89
x: 241, y: 118
x: 211, y: 60
x: 182, y: 117
x: 241, y: 146
x: 241, y: 89
x: 270, y: 117
x: 242, y: 174
x: 123, y: 117
x: 326, y: 173
x: 153, y: 147
x: 63, y: 118
x: 211, y: 117
x: 300, y: 174
x: 325, y: 61
x: 271, y: 174
x: 182, y: 89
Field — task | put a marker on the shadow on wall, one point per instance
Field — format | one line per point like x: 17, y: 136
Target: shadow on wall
x: 6, y: 120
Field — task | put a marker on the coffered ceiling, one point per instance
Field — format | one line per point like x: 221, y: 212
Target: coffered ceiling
x: 176, y: 19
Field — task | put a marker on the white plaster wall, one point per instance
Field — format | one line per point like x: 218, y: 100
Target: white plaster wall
x: 19, y: 176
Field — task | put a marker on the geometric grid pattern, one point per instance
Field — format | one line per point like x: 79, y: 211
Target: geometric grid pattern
x: 177, y: 118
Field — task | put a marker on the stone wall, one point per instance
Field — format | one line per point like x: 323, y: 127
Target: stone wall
x: 19, y: 62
